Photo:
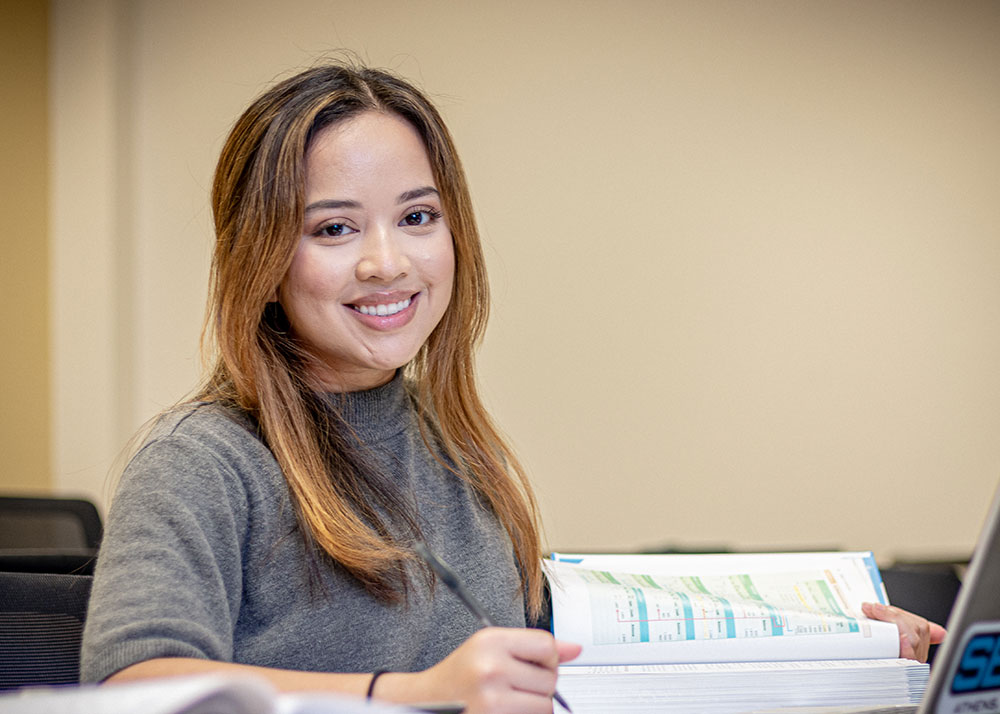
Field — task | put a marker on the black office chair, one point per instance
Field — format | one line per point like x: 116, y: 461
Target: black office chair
x: 28, y: 522
x: 48, y: 535
x: 41, y: 628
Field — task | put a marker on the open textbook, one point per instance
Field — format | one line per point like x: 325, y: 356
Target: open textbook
x: 726, y: 633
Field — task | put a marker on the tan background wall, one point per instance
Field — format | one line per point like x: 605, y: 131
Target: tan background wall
x: 24, y: 305
x: 746, y: 255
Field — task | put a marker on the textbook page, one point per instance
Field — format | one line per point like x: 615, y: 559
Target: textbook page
x: 633, y: 609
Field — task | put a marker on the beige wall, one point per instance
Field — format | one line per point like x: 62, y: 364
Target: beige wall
x: 24, y: 359
x: 746, y: 256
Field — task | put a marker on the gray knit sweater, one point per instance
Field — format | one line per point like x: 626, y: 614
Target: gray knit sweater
x: 202, y: 556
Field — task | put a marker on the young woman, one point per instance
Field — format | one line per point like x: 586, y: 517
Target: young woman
x: 268, y: 525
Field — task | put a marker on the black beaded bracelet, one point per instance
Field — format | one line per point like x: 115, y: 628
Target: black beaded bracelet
x: 371, y: 684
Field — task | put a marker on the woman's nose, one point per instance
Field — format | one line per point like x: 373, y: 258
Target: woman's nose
x: 382, y: 257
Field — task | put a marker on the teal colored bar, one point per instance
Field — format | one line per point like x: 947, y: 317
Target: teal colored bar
x: 777, y: 627
x: 640, y: 599
x: 730, y: 619
x: 688, y: 617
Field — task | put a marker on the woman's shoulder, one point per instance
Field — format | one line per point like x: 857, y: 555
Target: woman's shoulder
x: 204, y: 457
x: 207, y: 430
x: 204, y: 419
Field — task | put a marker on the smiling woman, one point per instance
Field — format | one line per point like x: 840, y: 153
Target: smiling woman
x: 270, y: 524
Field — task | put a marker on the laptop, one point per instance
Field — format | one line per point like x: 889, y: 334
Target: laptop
x: 965, y: 678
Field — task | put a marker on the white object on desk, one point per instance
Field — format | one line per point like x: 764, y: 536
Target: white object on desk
x: 201, y: 694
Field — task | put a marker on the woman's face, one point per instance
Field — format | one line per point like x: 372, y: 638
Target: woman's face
x: 372, y: 274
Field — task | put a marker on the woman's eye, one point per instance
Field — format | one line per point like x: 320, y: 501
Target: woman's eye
x: 420, y: 218
x: 334, y: 230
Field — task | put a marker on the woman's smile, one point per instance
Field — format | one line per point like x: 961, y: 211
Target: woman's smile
x: 380, y: 314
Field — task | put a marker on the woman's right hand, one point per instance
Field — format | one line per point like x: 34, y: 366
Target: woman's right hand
x: 498, y: 669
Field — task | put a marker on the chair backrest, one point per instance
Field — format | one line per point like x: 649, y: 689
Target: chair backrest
x: 41, y: 628
x: 927, y: 589
x: 48, y: 523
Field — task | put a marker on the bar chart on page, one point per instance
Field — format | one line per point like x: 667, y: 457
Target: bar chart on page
x: 628, y: 608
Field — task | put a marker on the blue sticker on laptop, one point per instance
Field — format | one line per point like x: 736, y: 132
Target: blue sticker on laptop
x: 974, y: 681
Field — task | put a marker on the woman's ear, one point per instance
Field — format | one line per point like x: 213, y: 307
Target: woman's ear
x: 275, y: 318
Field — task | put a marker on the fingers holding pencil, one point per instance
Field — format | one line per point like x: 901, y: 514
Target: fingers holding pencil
x: 501, y: 669
x: 553, y: 653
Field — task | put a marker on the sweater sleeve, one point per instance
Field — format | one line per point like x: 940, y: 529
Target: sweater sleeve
x: 169, y: 576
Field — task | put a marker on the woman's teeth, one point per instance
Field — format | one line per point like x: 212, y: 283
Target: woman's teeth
x: 382, y: 310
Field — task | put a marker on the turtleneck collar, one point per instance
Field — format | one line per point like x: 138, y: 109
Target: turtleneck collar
x: 375, y: 414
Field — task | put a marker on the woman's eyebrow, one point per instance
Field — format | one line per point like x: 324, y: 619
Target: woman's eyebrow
x: 417, y: 193
x: 331, y: 203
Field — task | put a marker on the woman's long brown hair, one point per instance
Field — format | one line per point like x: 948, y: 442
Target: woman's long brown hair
x: 258, y: 205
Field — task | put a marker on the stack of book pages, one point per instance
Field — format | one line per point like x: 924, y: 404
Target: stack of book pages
x: 727, y: 688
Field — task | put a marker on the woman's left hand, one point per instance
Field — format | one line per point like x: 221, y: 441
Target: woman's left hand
x: 916, y: 634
